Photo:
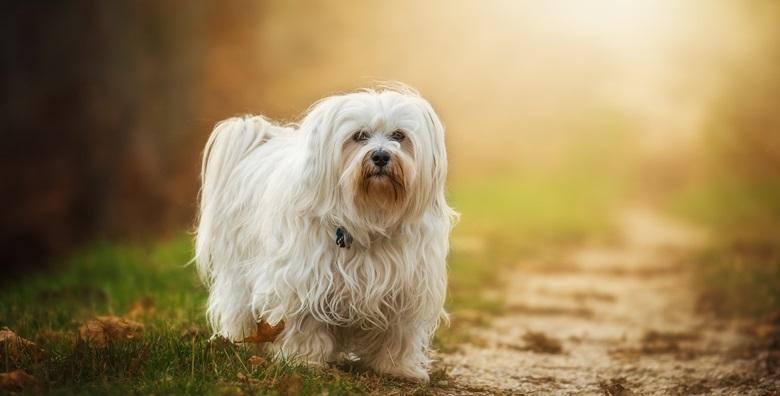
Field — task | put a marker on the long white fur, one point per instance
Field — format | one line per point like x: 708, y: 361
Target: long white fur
x: 271, y: 199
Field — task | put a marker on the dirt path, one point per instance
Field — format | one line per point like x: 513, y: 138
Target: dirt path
x: 609, y: 321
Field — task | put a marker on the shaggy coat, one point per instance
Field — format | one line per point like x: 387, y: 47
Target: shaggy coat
x: 272, y: 198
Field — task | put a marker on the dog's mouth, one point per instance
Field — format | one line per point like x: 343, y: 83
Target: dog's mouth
x: 382, y: 185
x: 378, y: 174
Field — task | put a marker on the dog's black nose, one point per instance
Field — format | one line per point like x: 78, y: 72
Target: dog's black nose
x: 380, y: 158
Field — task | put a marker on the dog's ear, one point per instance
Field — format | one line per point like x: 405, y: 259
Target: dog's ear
x: 433, y: 173
x: 435, y: 130
x: 320, y: 173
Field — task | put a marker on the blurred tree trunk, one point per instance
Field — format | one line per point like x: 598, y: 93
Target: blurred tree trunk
x: 98, y: 115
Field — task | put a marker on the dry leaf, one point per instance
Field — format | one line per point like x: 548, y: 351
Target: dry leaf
x: 541, y: 343
x: 16, y: 380
x: 264, y: 332
x: 142, y: 307
x: 15, y: 345
x: 104, y: 329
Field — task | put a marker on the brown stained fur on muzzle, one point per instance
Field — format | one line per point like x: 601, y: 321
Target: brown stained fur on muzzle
x: 390, y: 192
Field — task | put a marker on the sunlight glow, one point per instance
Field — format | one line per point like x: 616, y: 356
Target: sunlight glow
x: 619, y: 26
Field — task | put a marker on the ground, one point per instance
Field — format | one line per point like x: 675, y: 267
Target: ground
x: 614, y: 311
x: 620, y: 319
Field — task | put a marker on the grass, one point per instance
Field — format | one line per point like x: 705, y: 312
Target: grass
x: 503, y: 219
x: 536, y: 211
x: 173, y: 355
x: 733, y: 206
x: 739, y: 270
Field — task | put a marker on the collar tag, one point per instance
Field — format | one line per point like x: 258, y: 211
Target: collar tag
x: 343, y: 239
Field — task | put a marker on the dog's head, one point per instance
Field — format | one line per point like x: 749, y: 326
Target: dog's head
x: 376, y: 157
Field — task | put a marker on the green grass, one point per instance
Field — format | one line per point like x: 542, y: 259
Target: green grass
x: 733, y: 206
x: 529, y: 212
x: 505, y: 220
x: 739, y: 269
x: 106, y: 280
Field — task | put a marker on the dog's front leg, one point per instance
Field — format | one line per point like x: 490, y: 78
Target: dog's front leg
x: 400, y: 352
x: 306, y: 339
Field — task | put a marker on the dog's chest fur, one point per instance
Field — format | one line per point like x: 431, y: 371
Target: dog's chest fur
x: 365, y: 286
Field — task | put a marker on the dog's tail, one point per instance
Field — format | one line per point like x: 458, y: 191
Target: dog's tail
x: 229, y: 144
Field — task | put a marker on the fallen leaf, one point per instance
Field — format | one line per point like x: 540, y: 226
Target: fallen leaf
x: 16, y: 380
x: 541, y: 343
x: 142, y: 307
x: 104, y: 329
x: 16, y: 346
x: 264, y: 332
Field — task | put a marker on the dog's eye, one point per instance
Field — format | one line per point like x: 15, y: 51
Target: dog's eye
x: 398, y: 136
x: 360, y: 136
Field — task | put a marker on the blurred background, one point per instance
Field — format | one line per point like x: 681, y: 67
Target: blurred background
x: 561, y: 116
x: 558, y: 112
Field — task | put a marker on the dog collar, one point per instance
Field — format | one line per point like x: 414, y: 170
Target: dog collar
x: 343, y: 239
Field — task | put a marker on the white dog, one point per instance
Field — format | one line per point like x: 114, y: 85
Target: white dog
x: 338, y: 227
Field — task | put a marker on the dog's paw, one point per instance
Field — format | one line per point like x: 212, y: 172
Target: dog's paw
x: 413, y: 373
x: 410, y: 372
